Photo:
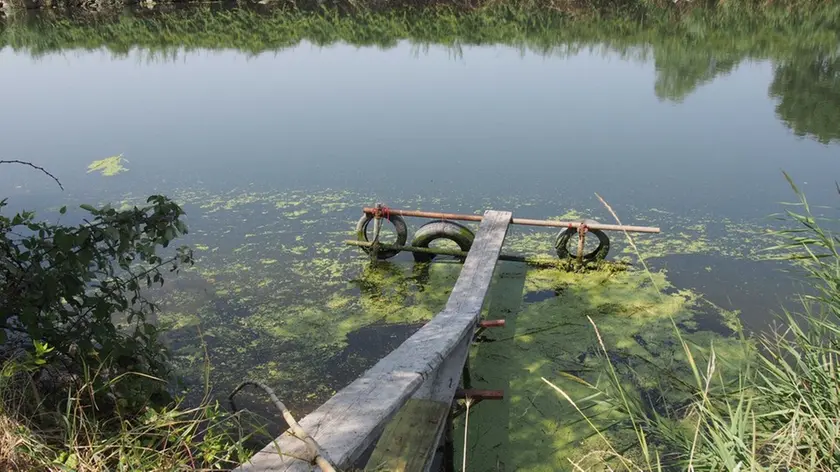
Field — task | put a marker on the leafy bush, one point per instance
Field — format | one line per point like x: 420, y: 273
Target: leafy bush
x: 83, y: 377
x: 78, y: 288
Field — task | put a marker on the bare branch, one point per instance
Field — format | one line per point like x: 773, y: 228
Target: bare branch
x: 15, y: 161
x: 320, y: 458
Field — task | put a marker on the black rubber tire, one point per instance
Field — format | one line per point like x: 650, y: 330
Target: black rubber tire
x: 598, y: 254
x: 440, y: 229
x: 399, y: 226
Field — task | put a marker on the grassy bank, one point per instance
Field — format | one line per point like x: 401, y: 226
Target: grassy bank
x: 81, y: 433
x: 553, y: 5
x: 735, y: 32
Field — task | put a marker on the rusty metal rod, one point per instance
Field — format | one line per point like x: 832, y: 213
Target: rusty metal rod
x: 518, y: 221
x: 491, y: 323
x: 479, y: 394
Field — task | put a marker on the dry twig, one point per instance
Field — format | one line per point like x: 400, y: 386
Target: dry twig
x: 297, y: 431
x: 15, y: 161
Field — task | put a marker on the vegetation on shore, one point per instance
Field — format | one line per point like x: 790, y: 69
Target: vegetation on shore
x: 84, y: 378
x: 77, y: 434
x: 568, y: 6
x: 765, y: 32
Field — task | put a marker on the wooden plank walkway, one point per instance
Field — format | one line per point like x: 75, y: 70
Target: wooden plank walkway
x: 426, y: 366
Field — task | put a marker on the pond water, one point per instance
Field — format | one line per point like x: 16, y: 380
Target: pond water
x: 274, y: 153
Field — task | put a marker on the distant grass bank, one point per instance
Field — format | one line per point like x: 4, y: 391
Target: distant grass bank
x: 737, y: 30
x: 553, y: 5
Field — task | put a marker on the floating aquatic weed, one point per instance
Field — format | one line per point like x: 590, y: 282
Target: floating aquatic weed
x: 277, y: 297
x: 533, y: 429
x: 704, y: 235
x: 109, y: 166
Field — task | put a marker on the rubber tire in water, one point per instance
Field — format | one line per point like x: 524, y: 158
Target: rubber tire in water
x: 565, y: 236
x: 440, y: 229
x: 399, y: 226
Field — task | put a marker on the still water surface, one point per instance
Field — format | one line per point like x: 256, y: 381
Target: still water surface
x: 272, y: 155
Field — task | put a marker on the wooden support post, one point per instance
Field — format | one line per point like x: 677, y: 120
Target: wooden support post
x: 410, y: 439
x: 377, y: 229
x: 466, y: 378
x: 581, y: 243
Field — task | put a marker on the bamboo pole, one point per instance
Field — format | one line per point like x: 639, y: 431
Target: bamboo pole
x: 518, y: 221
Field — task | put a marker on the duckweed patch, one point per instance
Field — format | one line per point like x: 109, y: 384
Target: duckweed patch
x: 704, y: 235
x: 109, y: 166
x: 278, y: 298
x: 548, y: 334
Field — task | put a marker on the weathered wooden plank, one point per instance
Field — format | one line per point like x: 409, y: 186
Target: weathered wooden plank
x: 442, y: 387
x: 351, y: 420
x: 409, y: 441
x: 467, y: 298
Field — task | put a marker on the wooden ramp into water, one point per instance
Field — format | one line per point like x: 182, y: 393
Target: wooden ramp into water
x: 415, y: 383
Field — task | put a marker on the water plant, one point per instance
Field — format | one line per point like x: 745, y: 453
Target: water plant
x: 109, y: 166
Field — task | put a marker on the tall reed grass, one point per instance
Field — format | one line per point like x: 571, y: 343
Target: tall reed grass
x: 779, y: 412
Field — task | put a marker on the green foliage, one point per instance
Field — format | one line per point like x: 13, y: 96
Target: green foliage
x: 808, y: 89
x: 79, y: 289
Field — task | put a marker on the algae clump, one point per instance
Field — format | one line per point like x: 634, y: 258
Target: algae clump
x: 549, y: 333
x: 109, y: 166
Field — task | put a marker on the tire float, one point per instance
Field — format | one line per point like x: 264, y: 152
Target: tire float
x: 399, y: 226
x: 440, y: 229
x: 570, y: 235
x: 565, y: 244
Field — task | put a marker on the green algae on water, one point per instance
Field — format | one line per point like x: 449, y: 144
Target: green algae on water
x: 277, y: 295
x: 109, y: 166
x: 548, y: 334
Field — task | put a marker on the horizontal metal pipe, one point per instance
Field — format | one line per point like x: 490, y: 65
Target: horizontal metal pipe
x: 518, y: 221
x: 491, y: 323
x: 479, y: 394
